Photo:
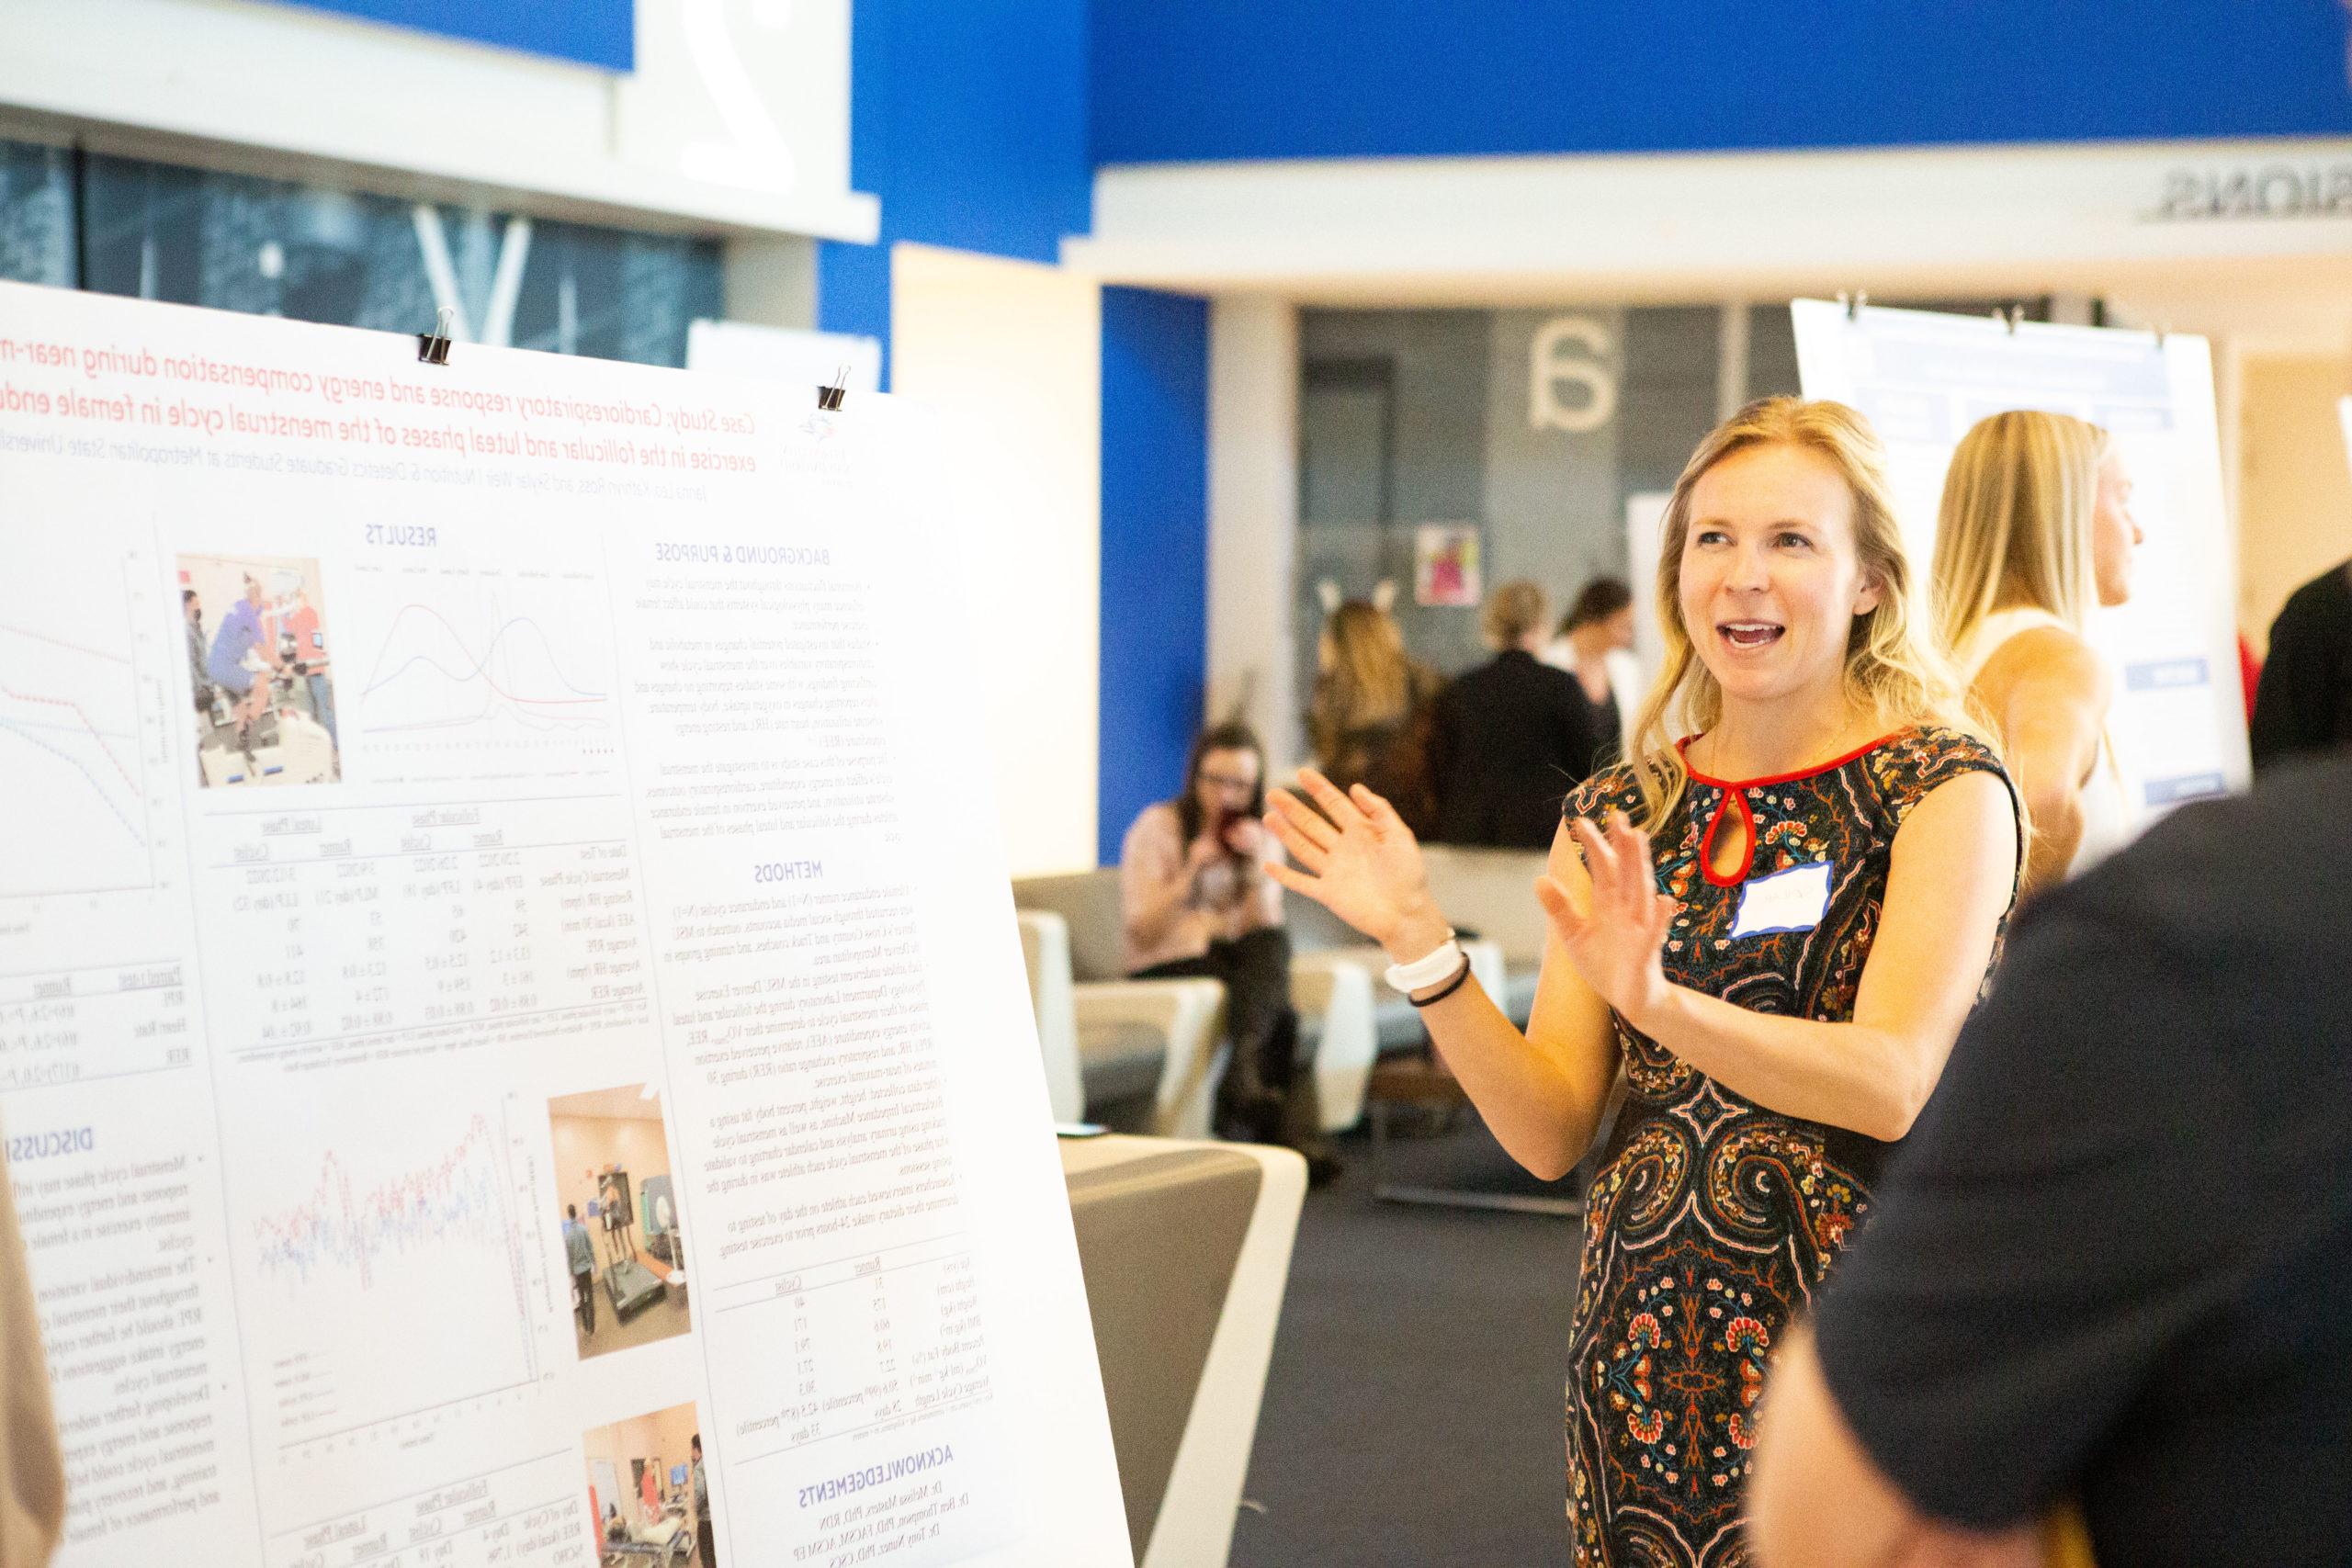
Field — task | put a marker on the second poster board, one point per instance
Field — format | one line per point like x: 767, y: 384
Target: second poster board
x: 1924, y: 378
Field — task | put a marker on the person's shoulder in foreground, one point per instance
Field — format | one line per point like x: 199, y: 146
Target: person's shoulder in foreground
x: 2111, y: 1262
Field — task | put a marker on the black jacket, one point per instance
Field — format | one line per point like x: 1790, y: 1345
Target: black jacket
x: 2305, y: 702
x: 1511, y: 739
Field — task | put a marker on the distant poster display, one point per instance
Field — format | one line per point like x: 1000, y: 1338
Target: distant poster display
x: 2178, y: 723
x: 1445, y: 564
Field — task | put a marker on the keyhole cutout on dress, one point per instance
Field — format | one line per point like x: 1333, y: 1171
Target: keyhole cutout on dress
x: 1731, y: 839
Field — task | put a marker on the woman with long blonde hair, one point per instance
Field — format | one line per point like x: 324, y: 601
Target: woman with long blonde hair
x: 1780, y: 955
x: 2035, y: 530
x: 1369, y: 721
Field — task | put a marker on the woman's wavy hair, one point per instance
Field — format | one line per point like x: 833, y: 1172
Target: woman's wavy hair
x: 1369, y: 684
x: 2015, y: 525
x: 1897, y: 668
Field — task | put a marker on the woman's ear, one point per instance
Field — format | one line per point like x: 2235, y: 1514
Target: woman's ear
x: 1867, y: 596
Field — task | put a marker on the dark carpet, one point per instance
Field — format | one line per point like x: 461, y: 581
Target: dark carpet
x: 1413, y: 1413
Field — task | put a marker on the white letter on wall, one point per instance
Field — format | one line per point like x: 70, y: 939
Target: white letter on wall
x: 1547, y: 368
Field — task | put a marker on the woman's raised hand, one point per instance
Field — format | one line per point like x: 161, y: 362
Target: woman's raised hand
x: 1352, y: 854
x: 1614, y: 941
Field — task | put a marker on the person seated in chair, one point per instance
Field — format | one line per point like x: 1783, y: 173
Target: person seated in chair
x: 1197, y: 901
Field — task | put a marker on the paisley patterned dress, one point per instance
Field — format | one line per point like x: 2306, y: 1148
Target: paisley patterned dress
x: 1712, y: 1219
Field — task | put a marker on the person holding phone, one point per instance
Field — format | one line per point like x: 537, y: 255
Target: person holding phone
x: 1197, y: 901
x: 1775, y: 925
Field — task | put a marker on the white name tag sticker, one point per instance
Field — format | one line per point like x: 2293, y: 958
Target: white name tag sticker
x: 1791, y: 900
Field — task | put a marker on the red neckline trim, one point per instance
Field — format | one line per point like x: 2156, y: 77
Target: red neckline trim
x: 1682, y: 747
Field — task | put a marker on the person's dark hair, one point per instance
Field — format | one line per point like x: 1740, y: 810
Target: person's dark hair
x: 1602, y: 598
x: 187, y: 595
x: 1227, y: 737
x: 697, y: 1440
x: 571, y: 1211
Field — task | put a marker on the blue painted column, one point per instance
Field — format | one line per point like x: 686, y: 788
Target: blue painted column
x: 1155, y: 549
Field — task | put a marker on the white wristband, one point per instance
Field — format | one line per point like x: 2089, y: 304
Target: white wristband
x: 1424, y: 972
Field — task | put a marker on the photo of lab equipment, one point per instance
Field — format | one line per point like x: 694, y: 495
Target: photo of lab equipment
x: 647, y: 1506
x: 618, y: 1211
x: 259, y: 675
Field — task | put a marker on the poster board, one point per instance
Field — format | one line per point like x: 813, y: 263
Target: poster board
x: 2178, y: 718
x: 599, y: 811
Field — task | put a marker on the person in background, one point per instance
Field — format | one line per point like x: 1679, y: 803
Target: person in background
x: 2304, y: 705
x: 1510, y: 737
x: 238, y: 633
x: 2111, y: 1266
x: 1780, y: 962
x: 192, y: 611
x: 2034, y: 531
x: 1595, y: 644
x: 705, y: 1541
x: 1373, y: 708
x: 301, y: 624
x: 580, y: 1252
x: 1197, y: 901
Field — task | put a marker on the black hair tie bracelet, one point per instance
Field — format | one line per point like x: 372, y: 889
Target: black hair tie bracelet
x: 1461, y: 976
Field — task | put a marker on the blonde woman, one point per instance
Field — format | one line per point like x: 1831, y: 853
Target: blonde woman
x: 1370, y: 719
x: 2035, y: 529
x: 1780, y: 955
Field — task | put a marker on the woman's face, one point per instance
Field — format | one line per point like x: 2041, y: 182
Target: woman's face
x: 2115, y: 536
x: 1227, y: 783
x: 1772, y: 580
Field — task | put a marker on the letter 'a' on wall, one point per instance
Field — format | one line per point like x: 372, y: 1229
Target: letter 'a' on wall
x: 1570, y: 386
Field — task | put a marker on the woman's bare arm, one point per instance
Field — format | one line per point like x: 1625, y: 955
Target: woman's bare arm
x: 1542, y: 1092
x: 2049, y: 694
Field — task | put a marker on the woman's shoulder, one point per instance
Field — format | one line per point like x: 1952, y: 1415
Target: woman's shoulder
x: 1913, y: 764
x: 1154, y: 824
x: 1615, y: 785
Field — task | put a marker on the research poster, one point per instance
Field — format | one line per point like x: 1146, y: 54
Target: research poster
x: 512, y: 1043
x: 2178, y: 720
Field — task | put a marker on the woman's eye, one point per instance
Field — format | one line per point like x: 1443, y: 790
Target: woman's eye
x: 1710, y: 537
x: 1797, y: 540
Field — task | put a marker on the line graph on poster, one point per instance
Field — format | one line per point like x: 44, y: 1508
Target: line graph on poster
x: 81, y: 722
x: 479, y: 673
x: 356, y: 1251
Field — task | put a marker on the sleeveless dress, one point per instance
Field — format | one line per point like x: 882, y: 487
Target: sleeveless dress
x: 2107, y: 813
x: 1712, y: 1219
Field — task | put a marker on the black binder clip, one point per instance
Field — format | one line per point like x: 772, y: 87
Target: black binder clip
x: 1854, y: 303
x: 433, y: 347
x: 2010, y: 317
x: 828, y: 398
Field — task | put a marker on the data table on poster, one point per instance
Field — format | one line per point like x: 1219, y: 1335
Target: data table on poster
x: 513, y: 1050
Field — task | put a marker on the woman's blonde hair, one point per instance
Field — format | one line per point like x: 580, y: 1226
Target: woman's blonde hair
x: 2015, y: 525
x: 1369, y: 684
x: 1512, y: 611
x: 1895, y: 669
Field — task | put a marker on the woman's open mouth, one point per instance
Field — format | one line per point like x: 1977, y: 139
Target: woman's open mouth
x: 1747, y: 635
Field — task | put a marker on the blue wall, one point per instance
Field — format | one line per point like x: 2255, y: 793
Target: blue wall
x: 1305, y: 78
x: 1155, y: 549
x: 969, y: 123
x: 595, y: 32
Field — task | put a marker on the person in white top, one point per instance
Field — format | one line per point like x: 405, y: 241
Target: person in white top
x: 2035, y: 530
